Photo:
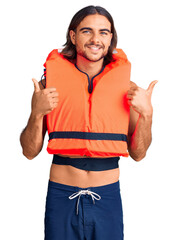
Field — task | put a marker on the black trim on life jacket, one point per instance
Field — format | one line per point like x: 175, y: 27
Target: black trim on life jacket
x: 43, y: 75
x: 90, y: 82
x: 88, y: 136
x: 89, y: 164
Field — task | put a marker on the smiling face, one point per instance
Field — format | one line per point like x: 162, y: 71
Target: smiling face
x: 92, y: 38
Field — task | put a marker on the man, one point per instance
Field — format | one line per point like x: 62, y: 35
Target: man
x: 93, y: 114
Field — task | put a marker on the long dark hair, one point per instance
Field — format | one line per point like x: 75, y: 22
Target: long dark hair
x: 69, y: 50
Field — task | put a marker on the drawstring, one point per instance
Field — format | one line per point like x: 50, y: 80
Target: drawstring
x: 84, y: 192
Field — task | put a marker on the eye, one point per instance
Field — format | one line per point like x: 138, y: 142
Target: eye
x: 103, y: 33
x: 86, y: 31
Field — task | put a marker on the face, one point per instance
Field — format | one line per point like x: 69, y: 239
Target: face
x: 92, y: 38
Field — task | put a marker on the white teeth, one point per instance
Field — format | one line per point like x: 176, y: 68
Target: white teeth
x: 94, y: 48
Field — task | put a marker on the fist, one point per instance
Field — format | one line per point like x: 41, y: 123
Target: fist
x: 140, y: 99
x: 43, y: 101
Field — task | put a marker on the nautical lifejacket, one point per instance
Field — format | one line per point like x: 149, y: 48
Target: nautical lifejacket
x: 92, y: 115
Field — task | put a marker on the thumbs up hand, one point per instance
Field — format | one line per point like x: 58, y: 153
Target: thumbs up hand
x: 140, y: 99
x: 36, y: 85
x: 43, y: 100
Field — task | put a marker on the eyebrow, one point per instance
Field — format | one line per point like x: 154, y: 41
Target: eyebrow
x: 101, y: 30
x: 105, y: 30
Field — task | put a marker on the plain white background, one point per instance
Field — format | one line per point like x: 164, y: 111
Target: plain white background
x: 147, y: 33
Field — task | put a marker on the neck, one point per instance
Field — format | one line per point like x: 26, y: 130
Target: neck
x: 89, y: 67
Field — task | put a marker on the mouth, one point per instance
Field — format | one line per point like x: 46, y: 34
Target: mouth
x: 94, y: 48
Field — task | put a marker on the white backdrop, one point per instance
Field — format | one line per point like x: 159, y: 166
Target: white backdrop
x: 147, y: 33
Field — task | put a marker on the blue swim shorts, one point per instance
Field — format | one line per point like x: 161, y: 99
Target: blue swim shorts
x: 74, y: 213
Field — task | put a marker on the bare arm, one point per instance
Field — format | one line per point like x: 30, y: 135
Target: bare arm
x: 32, y: 137
x: 140, y: 137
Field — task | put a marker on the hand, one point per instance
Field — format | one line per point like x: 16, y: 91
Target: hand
x: 140, y: 99
x: 43, y: 101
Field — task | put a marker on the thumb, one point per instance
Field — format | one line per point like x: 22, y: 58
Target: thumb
x: 36, y: 85
x: 151, y: 86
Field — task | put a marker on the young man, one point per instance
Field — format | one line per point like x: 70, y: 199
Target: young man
x: 93, y: 114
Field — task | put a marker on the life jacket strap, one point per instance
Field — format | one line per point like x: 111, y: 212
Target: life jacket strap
x: 88, y: 136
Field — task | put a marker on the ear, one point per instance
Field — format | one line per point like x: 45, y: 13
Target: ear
x: 72, y: 36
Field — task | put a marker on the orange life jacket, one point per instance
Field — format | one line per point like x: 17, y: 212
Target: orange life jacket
x: 92, y: 115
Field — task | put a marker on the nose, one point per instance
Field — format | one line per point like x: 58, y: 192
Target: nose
x: 95, y: 38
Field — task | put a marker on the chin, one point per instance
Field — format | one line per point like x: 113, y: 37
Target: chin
x: 94, y: 58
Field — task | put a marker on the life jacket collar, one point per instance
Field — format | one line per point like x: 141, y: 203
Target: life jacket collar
x: 90, y: 81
